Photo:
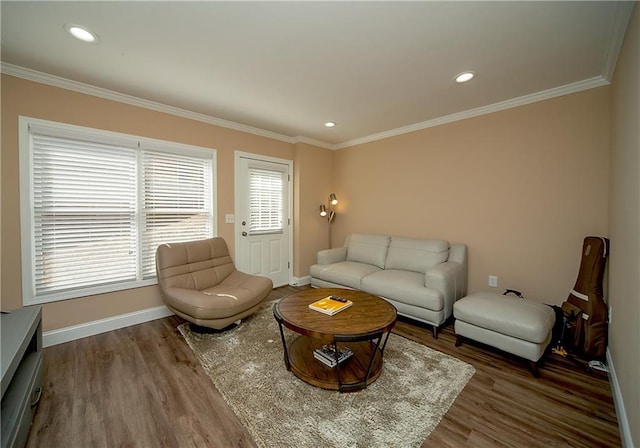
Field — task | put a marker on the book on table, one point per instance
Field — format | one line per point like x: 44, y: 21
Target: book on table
x: 327, y: 355
x: 331, y: 305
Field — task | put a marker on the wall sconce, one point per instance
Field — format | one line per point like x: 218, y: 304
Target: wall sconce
x: 328, y: 210
x: 329, y: 213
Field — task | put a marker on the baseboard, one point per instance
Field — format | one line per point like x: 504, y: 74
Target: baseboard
x: 300, y: 281
x: 67, y: 334
x: 621, y: 413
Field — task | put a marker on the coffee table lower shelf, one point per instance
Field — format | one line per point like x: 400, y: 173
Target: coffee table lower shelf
x: 350, y: 375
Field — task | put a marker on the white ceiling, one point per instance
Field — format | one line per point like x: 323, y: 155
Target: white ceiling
x: 376, y: 68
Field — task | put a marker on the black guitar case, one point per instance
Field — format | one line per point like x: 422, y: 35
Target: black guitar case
x: 585, y: 303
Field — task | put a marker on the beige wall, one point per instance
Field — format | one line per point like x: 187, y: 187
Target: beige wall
x: 21, y: 97
x: 312, y: 187
x: 521, y: 188
x: 624, y: 216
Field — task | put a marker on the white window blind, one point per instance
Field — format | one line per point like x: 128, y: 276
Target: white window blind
x: 95, y: 205
x: 265, y: 201
x: 177, y: 202
x: 84, y: 214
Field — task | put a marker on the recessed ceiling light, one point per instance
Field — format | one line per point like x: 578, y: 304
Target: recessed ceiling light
x: 330, y: 124
x: 465, y: 76
x: 82, y: 33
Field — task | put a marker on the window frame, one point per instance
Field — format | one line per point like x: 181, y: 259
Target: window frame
x: 26, y: 192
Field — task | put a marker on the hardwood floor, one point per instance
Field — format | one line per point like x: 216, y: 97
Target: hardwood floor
x: 503, y: 405
x: 141, y: 386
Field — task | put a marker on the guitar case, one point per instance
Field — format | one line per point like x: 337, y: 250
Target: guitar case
x: 585, y: 304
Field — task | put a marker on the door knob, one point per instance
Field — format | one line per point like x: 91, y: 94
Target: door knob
x: 244, y: 233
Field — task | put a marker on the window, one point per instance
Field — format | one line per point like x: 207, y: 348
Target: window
x: 265, y: 201
x: 95, y: 205
x: 177, y: 199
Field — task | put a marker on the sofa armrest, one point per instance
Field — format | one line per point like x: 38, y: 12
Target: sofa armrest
x: 449, y: 278
x: 330, y: 256
x: 458, y: 252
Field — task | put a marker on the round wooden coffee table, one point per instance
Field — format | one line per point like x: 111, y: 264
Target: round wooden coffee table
x: 364, y: 328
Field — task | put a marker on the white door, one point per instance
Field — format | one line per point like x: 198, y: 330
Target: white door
x: 263, y: 216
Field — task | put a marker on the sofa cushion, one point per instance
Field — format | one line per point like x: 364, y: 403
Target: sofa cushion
x: 347, y: 273
x: 403, y: 286
x: 369, y: 249
x: 417, y: 255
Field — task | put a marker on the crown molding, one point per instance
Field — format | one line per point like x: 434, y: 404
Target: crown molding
x: 56, y: 81
x: 575, y: 87
x: 63, y: 83
x: 314, y: 142
x: 622, y: 15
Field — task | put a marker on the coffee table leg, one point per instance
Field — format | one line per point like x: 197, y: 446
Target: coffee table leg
x: 378, y: 344
x: 385, y: 342
x: 373, y: 357
x: 287, y: 363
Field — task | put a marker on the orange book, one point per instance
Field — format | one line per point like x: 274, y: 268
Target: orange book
x: 331, y: 305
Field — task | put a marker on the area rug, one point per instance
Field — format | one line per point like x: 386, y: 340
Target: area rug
x: 416, y: 388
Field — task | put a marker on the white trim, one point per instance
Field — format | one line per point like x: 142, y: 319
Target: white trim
x: 621, y: 17
x: 237, y: 202
x: 67, y: 334
x: 56, y: 81
x: 300, y: 281
x: 27, y: 240
x: 75, y: 86
x: 314, y: 142
x: 27, y: 126
x: 621, y: 413
x: 568, y: 89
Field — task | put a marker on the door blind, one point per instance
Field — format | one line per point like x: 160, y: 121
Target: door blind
x: 84, y: 213
x: 265, y: 201
x: 177, y: 198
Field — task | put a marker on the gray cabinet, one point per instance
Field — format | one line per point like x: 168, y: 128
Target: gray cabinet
x: 21, y: 345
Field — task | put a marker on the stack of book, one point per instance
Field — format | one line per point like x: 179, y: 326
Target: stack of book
x: 327, y: 355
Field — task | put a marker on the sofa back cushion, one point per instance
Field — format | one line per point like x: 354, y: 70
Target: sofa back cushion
x: 193, y: 265
x: 369, y: 249
x: 417, y: 255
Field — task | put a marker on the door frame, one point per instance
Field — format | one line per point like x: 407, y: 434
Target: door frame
x: 236, y: 205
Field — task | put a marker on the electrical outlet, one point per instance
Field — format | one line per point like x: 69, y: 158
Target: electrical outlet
x: 493, y: 281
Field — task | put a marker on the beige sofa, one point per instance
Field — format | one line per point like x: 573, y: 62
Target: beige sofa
x: 422, y: 278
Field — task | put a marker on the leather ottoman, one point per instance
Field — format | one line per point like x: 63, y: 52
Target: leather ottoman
x: 520, y: 327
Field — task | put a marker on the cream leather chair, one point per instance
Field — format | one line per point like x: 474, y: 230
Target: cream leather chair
x: 200, y: 283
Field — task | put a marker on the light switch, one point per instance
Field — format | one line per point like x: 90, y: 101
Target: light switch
x: 229, y: 218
